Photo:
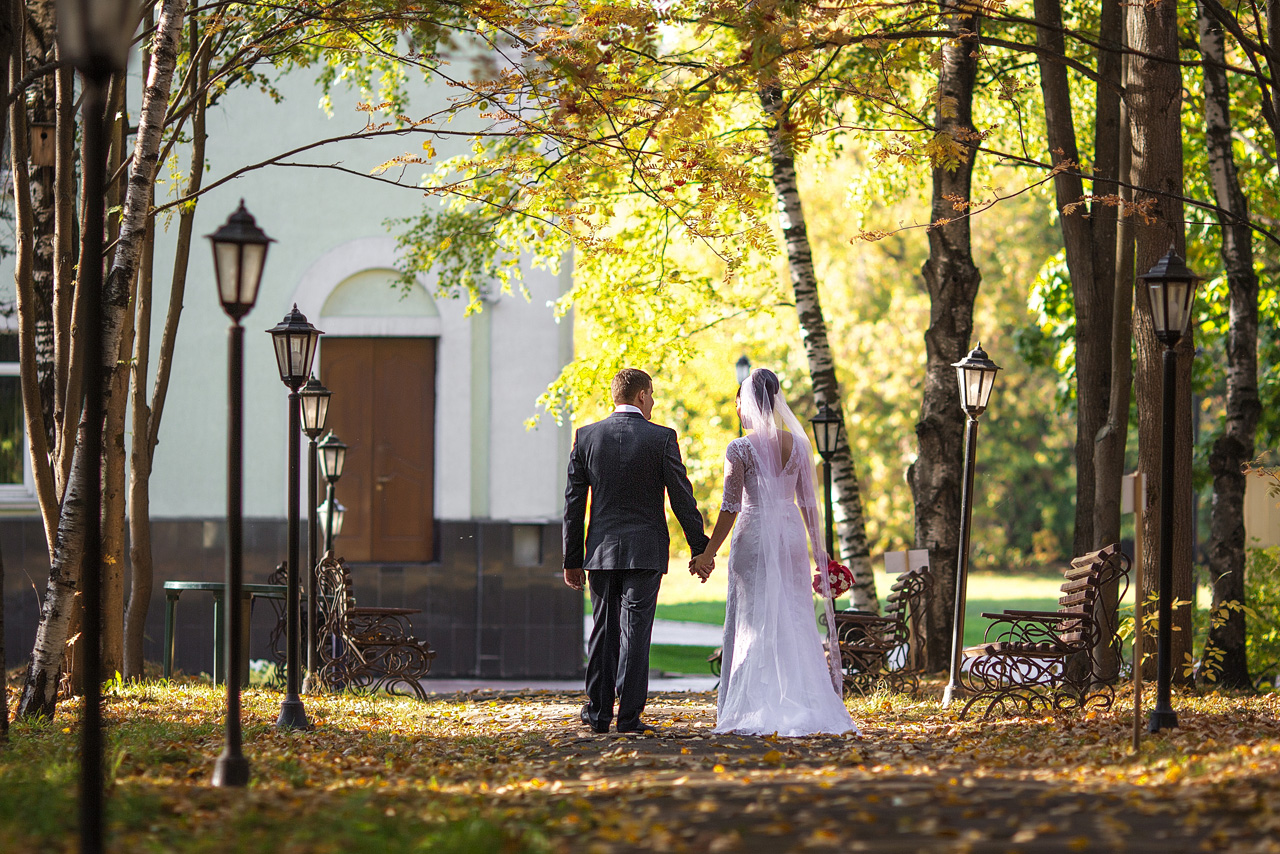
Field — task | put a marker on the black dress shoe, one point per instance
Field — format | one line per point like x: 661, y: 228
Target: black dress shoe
x: 641, y: 728
x: 586, y: 721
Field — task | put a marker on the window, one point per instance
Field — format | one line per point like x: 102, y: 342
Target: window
x: 14, y: 478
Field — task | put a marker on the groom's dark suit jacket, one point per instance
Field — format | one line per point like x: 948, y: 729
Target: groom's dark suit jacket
x: 627, y: 464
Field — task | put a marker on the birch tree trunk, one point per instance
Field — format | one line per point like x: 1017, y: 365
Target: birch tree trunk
x: 41, y: 98
x: 822, y: 368
x: 40, y: 689
x: 32, y: 406
x: 1153, y: 89
x: 146, y: 415
x: 1235, y: 446
x: 952, y: 280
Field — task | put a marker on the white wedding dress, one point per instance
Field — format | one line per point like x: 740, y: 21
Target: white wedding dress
x: 774, y: 674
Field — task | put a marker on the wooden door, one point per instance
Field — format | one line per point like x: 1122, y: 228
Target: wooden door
x: 383, y: 407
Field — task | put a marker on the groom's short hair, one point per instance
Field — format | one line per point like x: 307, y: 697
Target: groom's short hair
x: 628, y: 383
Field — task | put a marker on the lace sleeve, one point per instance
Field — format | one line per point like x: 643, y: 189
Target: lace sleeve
x: 733, y: 472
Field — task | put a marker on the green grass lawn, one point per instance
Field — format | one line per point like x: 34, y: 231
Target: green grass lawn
x: 672, y: 658
x: 684, y: 598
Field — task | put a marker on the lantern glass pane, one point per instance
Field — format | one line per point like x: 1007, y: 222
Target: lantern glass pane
x: 975, y: 387
x: 297, y: 354
x: 226, y: 264
x: 339, y: 513
x: 252, y: 260
x: 281, y: 343
x: 332, y: 459
x: 832, y: 430
x: 1178, y: 295
x: 315, y: 410
x: 986, y: 382
x: 1159, y: 307
x: 308, y: 351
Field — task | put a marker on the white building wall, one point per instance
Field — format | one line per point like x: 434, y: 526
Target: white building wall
x: 328, y: 225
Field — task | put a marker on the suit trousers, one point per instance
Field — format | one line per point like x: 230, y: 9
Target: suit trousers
x: 623, y: 602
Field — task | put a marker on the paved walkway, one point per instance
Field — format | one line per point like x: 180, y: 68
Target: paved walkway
x: 657, y: 685
x: 674, y: 632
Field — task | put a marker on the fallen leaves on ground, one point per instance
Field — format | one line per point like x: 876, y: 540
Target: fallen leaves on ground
x: 490, y: 772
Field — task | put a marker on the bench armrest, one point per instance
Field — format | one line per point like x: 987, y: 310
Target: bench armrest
x: 361, y: 611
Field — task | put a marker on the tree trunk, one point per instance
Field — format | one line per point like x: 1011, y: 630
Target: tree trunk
x: 1109, y: 445
x: 41, y: 98
x: 146, y: 416
x: 32, y: 405
x: 822, y: 368
x: 1088, y: 237
x: 1153, y: 88
x: 952, y: 280
x: 1235, y: 446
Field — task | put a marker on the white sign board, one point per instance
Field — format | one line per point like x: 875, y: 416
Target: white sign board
x: 896, y: 563
x: 1128, y: 492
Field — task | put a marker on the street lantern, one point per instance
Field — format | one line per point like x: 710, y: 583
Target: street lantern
x: 295, y: 344
x: 315, y: 412
x: 331, y: 512
x: 826, y: 432
x: 333, y: 456
x: 239, y: 254
x: 977, y: 376
x: 94, y: 37
x: 742, y: 368
x: 315, y: 408
x: 1172, y: 288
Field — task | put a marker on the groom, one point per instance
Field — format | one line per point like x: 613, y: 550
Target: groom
x: 626, y: 464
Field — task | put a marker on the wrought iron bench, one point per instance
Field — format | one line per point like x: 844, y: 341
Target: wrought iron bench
x: 885, y: 648
x: 1047, y: 659
x: 364, y: 648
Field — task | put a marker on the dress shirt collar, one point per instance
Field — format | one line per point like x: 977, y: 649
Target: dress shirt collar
x: 627, y: 408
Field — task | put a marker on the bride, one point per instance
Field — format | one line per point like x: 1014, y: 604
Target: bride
x: 774, y: 676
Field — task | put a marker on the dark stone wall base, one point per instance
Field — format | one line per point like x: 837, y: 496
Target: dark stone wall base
x: 494, y: 605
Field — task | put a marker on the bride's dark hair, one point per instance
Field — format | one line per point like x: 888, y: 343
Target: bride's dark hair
x: 764, y: 385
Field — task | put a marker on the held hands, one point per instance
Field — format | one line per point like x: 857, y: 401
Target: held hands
x: 702, y: 565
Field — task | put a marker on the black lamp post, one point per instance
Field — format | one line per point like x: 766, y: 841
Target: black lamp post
x: 94, y: 36
x: 239, y: 254
x: 295, y: 345
x: 742, y: 369
x: 1173, y: 290
x: 333, y: 456
x: 826, y: 432
x: 977, y: 375
x: 315, y: 412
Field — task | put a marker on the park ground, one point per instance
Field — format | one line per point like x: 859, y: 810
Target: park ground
x: 503, y: 772
x: 493, y: 771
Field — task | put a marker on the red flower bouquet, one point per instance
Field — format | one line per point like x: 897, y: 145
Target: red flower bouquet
x: 838, y: 576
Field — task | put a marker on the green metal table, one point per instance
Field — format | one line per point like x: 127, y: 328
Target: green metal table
x: 248, y: 592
